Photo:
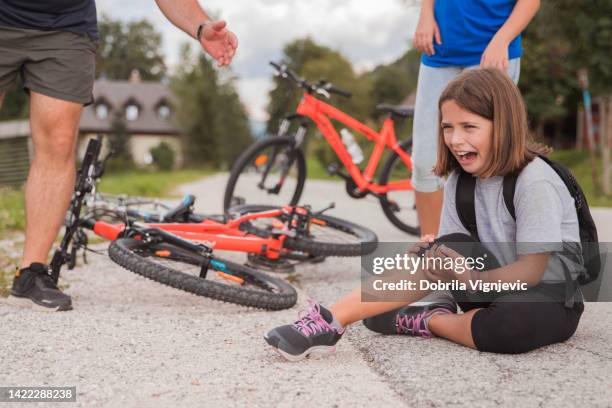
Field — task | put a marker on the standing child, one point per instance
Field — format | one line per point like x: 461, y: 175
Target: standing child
x: 483, y: 131
x: 454, y: 35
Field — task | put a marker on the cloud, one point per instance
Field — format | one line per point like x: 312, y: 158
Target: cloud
x: 367, y: 32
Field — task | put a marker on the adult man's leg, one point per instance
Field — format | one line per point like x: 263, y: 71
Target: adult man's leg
x: 54, y: 125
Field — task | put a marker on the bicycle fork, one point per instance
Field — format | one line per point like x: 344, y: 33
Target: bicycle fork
x: 298, y: 139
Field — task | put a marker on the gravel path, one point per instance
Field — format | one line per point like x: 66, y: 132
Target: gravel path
x: 131, y: 342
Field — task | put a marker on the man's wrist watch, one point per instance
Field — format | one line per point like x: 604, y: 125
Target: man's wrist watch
x: 200, y: 30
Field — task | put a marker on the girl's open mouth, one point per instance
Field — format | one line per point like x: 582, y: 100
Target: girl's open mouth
x: 466, y: 158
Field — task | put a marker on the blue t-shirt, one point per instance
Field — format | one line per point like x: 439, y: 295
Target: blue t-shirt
x: 466, y: 28
x: 77, y: 16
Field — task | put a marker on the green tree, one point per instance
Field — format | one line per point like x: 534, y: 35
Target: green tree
x: 392, y: 83
x: 315, y: 62
x: 119, y: 144
x: 563, y: 37
x: 125, y: 47
x: 209, y: 113
x: 163, y: 156
x: 233, y: 121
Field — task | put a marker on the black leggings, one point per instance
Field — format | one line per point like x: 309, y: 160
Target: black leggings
x: 514, y: 322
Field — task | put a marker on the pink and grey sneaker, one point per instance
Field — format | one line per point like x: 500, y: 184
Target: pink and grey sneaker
x: 412, y: 319
x: 315, y: 331
x: 417, y: 323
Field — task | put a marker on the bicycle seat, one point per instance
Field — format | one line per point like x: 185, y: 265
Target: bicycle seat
x: 182, y: 211
x: 395, y: 110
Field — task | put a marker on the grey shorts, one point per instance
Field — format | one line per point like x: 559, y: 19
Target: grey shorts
x: 432, y: 81
x: 58, y: 64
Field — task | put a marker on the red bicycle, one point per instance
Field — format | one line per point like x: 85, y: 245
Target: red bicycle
x: 178, y: 247
x: 273, y: 170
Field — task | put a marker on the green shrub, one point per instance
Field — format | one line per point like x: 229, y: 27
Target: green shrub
x: 163, y: 156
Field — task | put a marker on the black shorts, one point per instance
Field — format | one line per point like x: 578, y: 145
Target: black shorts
x: 521, y: 322
x: 53, y: 63
x: 517, y: 322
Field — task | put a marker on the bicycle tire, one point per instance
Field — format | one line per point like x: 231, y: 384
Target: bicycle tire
x: 254, y: 151
x: 387, y: 207
x: 124, y: 252
x: 367, y: 238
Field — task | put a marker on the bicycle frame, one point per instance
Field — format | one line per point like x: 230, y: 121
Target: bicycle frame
x: 321, y: 113
x: 212, y: 233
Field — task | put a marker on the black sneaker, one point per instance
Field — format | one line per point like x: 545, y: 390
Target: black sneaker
x: 412, y: 319
x: 313, y: 332
x: 34, y: 287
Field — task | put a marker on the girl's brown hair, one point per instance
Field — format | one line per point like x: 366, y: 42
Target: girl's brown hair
x: 491, y: 94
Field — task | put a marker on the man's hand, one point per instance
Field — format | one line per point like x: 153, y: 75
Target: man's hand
x: 427, y: 29
x: 219, y: 42
x: 495, y: 55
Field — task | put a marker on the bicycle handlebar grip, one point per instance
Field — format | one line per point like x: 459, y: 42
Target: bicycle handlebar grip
x: 275, y: 65
x: 340, y: 92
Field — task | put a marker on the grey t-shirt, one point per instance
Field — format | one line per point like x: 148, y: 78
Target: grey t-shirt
x: 546, y: 219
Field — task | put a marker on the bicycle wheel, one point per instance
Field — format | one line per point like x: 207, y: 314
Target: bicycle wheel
x: 399, y: 206
x: 181, y: 269
x: 115, y: 208
x: 271, y: 171
x: 326, y: 235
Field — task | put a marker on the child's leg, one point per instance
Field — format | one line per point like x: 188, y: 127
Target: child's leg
x: 454, y: 327
x: 350, y: 308
x: 524, y: 321
x: 434, y: 319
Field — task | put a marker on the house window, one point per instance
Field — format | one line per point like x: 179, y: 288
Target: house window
x: 163, y: 111
x: 131, y: 112
x: 102, y: 111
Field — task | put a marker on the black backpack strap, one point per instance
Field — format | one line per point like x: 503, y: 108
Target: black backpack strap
x: 508, y: 189
x: 464, y: 202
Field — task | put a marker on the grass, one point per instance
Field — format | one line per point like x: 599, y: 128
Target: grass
x: 12, y: 213
x: 148, y: 184
x: 580, y: 165
x: 316, y: 170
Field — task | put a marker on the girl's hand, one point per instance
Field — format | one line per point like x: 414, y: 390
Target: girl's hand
x: 495, y: 55
x: 426, y: 241
x: 435, y: 263
x: 443, y: 252
x: 427, y: 29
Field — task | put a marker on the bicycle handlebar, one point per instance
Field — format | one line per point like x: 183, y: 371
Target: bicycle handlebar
x: 323, y: 87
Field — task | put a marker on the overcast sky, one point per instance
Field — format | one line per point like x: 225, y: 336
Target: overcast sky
x: 367, y: 32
